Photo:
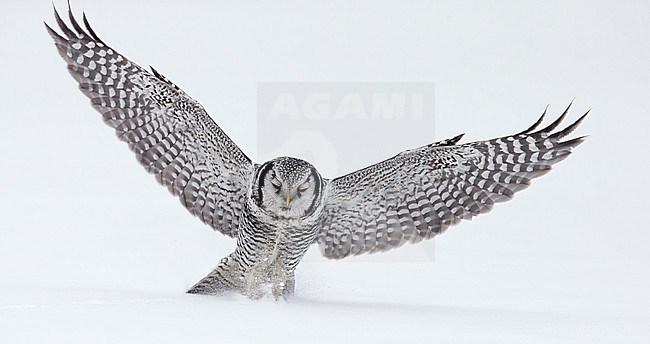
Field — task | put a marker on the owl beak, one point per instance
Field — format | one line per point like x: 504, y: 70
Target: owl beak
x: 287, y: 199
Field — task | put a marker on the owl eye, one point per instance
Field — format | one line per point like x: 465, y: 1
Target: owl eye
x: 275, y: 182
x: 303, y: 187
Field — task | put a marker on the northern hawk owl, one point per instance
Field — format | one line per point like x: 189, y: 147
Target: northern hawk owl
x: 277, y: 209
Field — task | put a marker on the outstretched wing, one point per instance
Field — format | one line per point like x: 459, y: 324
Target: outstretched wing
x: 421, y: 192
x: 170, y: 133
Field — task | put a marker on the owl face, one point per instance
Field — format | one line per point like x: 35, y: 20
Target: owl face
x: 288, y: 187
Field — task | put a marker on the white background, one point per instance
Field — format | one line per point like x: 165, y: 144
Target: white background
x: 93, y: 250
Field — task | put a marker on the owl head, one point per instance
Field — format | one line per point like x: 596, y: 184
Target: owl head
x: 287, y: 187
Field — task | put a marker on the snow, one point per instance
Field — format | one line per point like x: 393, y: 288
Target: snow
x: 93, y: 250
x: 363, y: 301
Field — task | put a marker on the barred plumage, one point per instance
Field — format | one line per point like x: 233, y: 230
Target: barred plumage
x: 276, y: 210
x: 421, y: 192
x: 170, y: 133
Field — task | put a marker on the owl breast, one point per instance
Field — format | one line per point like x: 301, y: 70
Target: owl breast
x: 269, y: 249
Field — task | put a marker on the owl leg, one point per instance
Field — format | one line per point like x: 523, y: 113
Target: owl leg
x: 285, y: 288
x: 289, y: 286
x: 221, y: 280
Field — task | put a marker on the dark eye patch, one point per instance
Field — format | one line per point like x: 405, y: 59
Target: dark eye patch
x: 261, y: 178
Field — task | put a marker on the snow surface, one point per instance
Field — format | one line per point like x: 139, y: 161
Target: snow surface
x: 92, y: 250
x: 342, y: 302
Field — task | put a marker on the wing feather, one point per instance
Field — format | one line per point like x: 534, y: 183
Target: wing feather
x: 170, y: 133
x: 421, y: 192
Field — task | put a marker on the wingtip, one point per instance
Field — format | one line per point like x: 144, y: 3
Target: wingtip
x: 569, y: 129
x: 536, y: 124
x: 74, y: 22
x: 91, y: 32
x: 55, y: 35
x: 62, y: 25
x: 557, y: 122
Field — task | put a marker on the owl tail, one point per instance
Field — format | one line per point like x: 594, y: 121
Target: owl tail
x: 223, y: 279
